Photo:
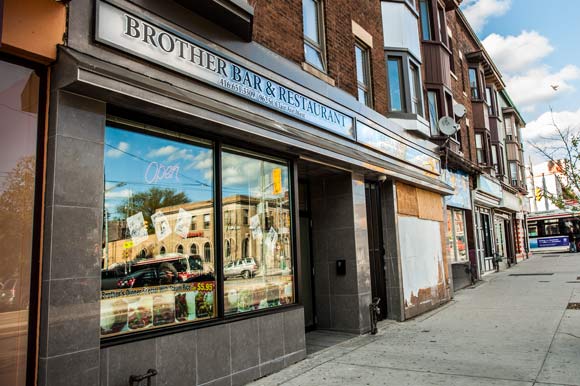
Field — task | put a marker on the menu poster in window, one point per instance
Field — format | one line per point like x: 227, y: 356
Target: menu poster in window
x: 183, y: 223
x: 137, y: 229
x: 162, y: 227
x: 136, y: 309
x: 255, y: 227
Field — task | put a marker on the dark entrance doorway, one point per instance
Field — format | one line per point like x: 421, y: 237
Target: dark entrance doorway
x: 306, y: 262
x: 376, y: 248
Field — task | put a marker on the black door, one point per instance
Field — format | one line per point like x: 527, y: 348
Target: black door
x: 376, y: 249
x: 306, y: 262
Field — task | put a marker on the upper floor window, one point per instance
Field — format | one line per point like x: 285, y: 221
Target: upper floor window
x: 479, y: 148
x: 474, y: 83
x: 442, y: 25
x: 416, y: 93
x: 363, y: 74
x: 404, y: 83
x: 451, y: 57
x: 514, y: 177
x: 433, y: 111
x: 426, y: 19
x: 396, y: 89
x: 509, y: 128
x: 494, y: 158
x: 313, y: 21
x: 488, y: 100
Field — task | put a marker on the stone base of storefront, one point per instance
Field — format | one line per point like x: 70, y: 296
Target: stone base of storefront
x: 227, y: 354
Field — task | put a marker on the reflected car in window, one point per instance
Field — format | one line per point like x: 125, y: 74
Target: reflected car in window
x: 144, y: 278
x: 245, y: 268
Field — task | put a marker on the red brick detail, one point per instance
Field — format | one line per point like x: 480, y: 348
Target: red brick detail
x: 278, y: 27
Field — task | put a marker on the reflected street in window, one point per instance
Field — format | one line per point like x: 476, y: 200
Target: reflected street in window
x: 258, y: 269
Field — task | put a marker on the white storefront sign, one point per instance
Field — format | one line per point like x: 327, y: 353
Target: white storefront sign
x: 178, y: 52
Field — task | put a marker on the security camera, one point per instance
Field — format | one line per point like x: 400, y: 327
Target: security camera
x: 382, y: 178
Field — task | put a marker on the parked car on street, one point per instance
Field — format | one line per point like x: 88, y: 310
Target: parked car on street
x: 245, y: 268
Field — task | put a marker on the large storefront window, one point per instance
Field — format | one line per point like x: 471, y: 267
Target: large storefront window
x: 159, y: 237
x: 19, y: 97
x: 456, y: 236
x: 156, y: 190
x: 256, y: 210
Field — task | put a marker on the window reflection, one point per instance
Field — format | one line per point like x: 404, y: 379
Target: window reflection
x: 156, y: 190
x: 394, y: 68
x: 256, y: 210
x: 19, y: 92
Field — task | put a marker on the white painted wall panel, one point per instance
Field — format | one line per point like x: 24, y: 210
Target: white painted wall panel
x: 421, y: 254
x: 400, y: 27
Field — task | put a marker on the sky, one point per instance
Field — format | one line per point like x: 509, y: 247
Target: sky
x: 535, y: 44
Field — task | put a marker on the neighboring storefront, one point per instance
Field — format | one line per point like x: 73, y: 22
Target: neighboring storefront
x: 508, y: 218
x: 487, y: 197
x: 29, y: 33
x: 173, y: 170
x: 458, y: 216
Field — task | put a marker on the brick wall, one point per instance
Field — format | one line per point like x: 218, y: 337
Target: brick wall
x: 460, y: 87
x: 278, y: 26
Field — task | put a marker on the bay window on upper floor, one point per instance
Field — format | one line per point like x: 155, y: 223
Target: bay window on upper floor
x: 509, y: 128
x: 474, y: 83
x: 480, y: 148
x: 514, y: 173
x: 497, y: 159
x: 314, y: 39
x: 433, y: 107
x: 433, y: 21
x: 491, y: 100
x: 426, y: 19
x: 415, y: 89
x: 395, y: 80
x: 404, y: 84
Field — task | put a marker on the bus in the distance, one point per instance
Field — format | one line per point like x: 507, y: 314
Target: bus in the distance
x: 554, y: 231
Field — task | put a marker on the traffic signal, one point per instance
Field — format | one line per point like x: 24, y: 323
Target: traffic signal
x: 538, y: 194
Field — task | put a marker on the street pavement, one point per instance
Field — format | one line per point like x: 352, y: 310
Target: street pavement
x: 507, y: 330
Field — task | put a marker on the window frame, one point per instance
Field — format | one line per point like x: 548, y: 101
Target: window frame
x: 406, y: 62
x: 480, y: 149
x: 451, y: 46
x: 367, y: 83
x: 477, y: 94
x: 427, y: 34
x: 416, y: 89
x: 177, y: 133
x: 319, y: 47
x: 401, y: 79
x: 433, y: 120
x: 514, y: 180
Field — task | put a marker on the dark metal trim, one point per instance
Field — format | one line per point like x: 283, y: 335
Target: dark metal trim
x: 295, y: 231
x: 218, y: 227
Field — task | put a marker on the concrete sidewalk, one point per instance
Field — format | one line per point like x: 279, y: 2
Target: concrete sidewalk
x: 508, y: 330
